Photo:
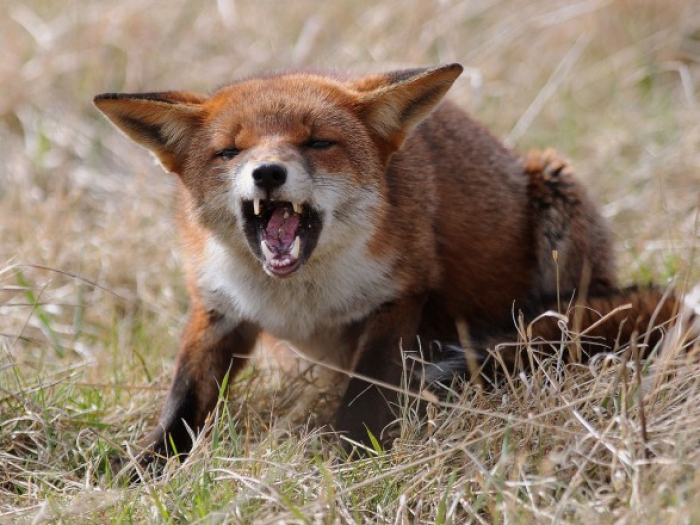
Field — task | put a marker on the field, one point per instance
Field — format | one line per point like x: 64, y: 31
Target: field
x: 92, y: 300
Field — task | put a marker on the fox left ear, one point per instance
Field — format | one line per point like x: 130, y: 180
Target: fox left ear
x: 162, y: 122
x: 395, y: 102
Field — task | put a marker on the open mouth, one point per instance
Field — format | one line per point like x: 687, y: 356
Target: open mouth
x: 281, y: 234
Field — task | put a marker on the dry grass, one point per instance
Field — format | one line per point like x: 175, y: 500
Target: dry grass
x: 91, y: 299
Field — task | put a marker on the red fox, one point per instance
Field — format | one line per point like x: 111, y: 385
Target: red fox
x: 354, y: 217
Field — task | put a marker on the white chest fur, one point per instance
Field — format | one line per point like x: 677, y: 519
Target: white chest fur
x: 329, y: 291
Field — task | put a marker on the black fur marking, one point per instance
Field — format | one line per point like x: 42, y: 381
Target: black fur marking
x: 151, y: 133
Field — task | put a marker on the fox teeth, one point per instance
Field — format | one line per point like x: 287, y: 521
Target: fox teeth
x: 266, y: 252
x: 256, y: 206
x: 297, y: 207
x: 294, y: 252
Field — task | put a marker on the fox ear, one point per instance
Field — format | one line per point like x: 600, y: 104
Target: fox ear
x: 395, y: 102
x: 161, y: 122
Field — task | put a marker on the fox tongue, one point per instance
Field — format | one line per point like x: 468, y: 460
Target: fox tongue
x: 280, y: 231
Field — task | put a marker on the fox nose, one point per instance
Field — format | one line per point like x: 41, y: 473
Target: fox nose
x: 269, y: 176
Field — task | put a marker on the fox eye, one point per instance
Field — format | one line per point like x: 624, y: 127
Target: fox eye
x: 227, y: 153
x: 320, y: 144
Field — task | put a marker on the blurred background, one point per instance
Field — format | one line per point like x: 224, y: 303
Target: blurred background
x: 89, y: 268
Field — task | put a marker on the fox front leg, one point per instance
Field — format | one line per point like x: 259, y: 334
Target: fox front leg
x: 211, y: 347
x: 367, y: 406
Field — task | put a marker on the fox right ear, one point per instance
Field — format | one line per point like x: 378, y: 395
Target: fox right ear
x: 161, y: 122
x: 395, y: 102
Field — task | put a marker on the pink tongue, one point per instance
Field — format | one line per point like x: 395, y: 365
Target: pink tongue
x: 281, y: 229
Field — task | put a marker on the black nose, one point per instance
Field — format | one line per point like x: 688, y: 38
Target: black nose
x: 270, y: 176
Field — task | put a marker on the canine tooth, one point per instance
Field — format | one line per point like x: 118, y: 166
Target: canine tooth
x: 297, y: 207
x: 256, y: 206
x: 269, y: 256
x: 295, y: 248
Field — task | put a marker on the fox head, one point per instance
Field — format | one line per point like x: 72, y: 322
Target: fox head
x: 295, y: 161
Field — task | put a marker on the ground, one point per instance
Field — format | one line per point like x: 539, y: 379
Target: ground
x: 92, y: 300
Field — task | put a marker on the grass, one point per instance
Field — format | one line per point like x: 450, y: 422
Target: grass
x: 91, y: 298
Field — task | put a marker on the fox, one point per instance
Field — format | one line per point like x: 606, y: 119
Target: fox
x: 355, y: 216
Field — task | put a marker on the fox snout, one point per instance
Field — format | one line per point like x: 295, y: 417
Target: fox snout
x: 280, y: 223
x: 269, y: 176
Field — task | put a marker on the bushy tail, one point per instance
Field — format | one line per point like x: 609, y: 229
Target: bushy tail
x: 578, y: 327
